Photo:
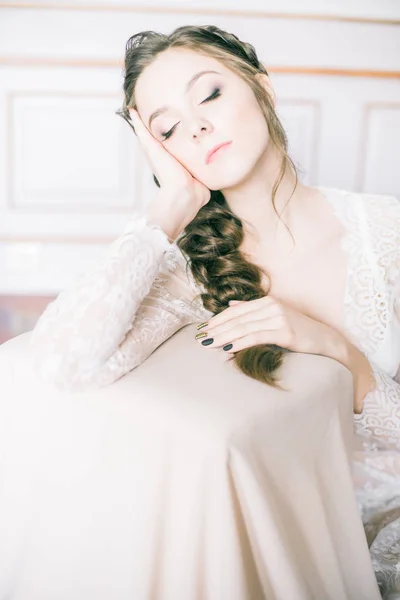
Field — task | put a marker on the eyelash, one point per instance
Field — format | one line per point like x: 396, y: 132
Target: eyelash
x: 215, y: 94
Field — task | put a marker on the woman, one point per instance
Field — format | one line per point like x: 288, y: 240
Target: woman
x: 203, y: 108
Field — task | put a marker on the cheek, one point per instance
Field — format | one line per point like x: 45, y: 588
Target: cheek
x: 251, y: 139
x: 250, y: 124
x: 243, y: 122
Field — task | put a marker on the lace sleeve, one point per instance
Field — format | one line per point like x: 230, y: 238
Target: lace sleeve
x: 397, y: 312
x: 391, y: 256
x: 392, y: 244
x: 397, y: 295
x: 115, y: 316
x: 384, y: 228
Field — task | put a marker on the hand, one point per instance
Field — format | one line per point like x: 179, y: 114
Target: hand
x: 265, y: 321
x: 170, y: 173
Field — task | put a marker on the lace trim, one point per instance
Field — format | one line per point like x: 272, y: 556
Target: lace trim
x: 372, y: 244
x: 366, y: 302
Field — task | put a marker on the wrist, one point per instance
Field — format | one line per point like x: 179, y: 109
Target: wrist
x: 161, y: 223
x: 348, y: 355
x: 340, y: 349
x: 358, y: 364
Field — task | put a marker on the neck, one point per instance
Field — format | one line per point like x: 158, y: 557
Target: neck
x: 251, y: 200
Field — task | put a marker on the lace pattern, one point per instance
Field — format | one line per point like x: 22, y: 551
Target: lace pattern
x: 112, y: 318
x: 366, y: 301
x: 371, y: 308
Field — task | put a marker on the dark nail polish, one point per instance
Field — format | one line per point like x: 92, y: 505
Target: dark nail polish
x: 228, y: 346
x: 207, y: 342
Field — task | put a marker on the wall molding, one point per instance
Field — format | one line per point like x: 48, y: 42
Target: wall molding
x: 369, y: 107
x: 259, y: 14
x: 29, y: 61
x: 56, y: 239
x: 11, y: 205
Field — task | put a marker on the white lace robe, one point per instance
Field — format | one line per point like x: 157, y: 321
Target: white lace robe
x: 372, y: 321
x: 115, y: 316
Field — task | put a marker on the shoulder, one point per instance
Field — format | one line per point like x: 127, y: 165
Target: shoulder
x: 379, y: 213
x: 383, y: 206
x: 373, y: 224
x: 380, y: 219
x: 380, y: 209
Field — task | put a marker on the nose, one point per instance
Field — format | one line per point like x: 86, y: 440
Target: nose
x: 199, y: 128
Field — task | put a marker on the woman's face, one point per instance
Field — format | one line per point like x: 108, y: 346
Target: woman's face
x: 197, y: 114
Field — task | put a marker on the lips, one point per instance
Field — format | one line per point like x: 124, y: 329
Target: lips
x: 217, y: 147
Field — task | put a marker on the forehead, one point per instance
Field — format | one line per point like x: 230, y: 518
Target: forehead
x: 168, y: 75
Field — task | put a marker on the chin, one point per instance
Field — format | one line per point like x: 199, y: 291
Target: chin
x: 228, y: 177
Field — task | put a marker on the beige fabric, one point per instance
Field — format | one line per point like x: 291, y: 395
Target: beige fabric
x: 183, y: 480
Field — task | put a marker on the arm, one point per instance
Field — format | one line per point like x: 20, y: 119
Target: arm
x: 336, y: 346
x: 115, y: 316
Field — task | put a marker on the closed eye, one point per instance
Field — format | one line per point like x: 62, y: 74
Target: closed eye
x: 216, y: 93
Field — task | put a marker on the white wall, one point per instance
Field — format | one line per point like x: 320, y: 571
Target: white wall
x: 71, y: 171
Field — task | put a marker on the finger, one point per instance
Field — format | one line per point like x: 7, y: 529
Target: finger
x: 140, y: 126
x: 165, y: 166
x: 146, y: 137
x: 270, y: 337
x: 251, y: 319
x: 154, y: 150
x: 256, y: 312
x: 268, y: 331
x: 242, y: 308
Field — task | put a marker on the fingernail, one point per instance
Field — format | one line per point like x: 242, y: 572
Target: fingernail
x: 202, y: 325
x: 207, y: 342
x: 200, y: 335
x: 228, y: 347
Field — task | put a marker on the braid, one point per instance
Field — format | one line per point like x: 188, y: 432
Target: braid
x: 211, y: 241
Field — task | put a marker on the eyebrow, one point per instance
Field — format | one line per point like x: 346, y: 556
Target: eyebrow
x: 189, y: 84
